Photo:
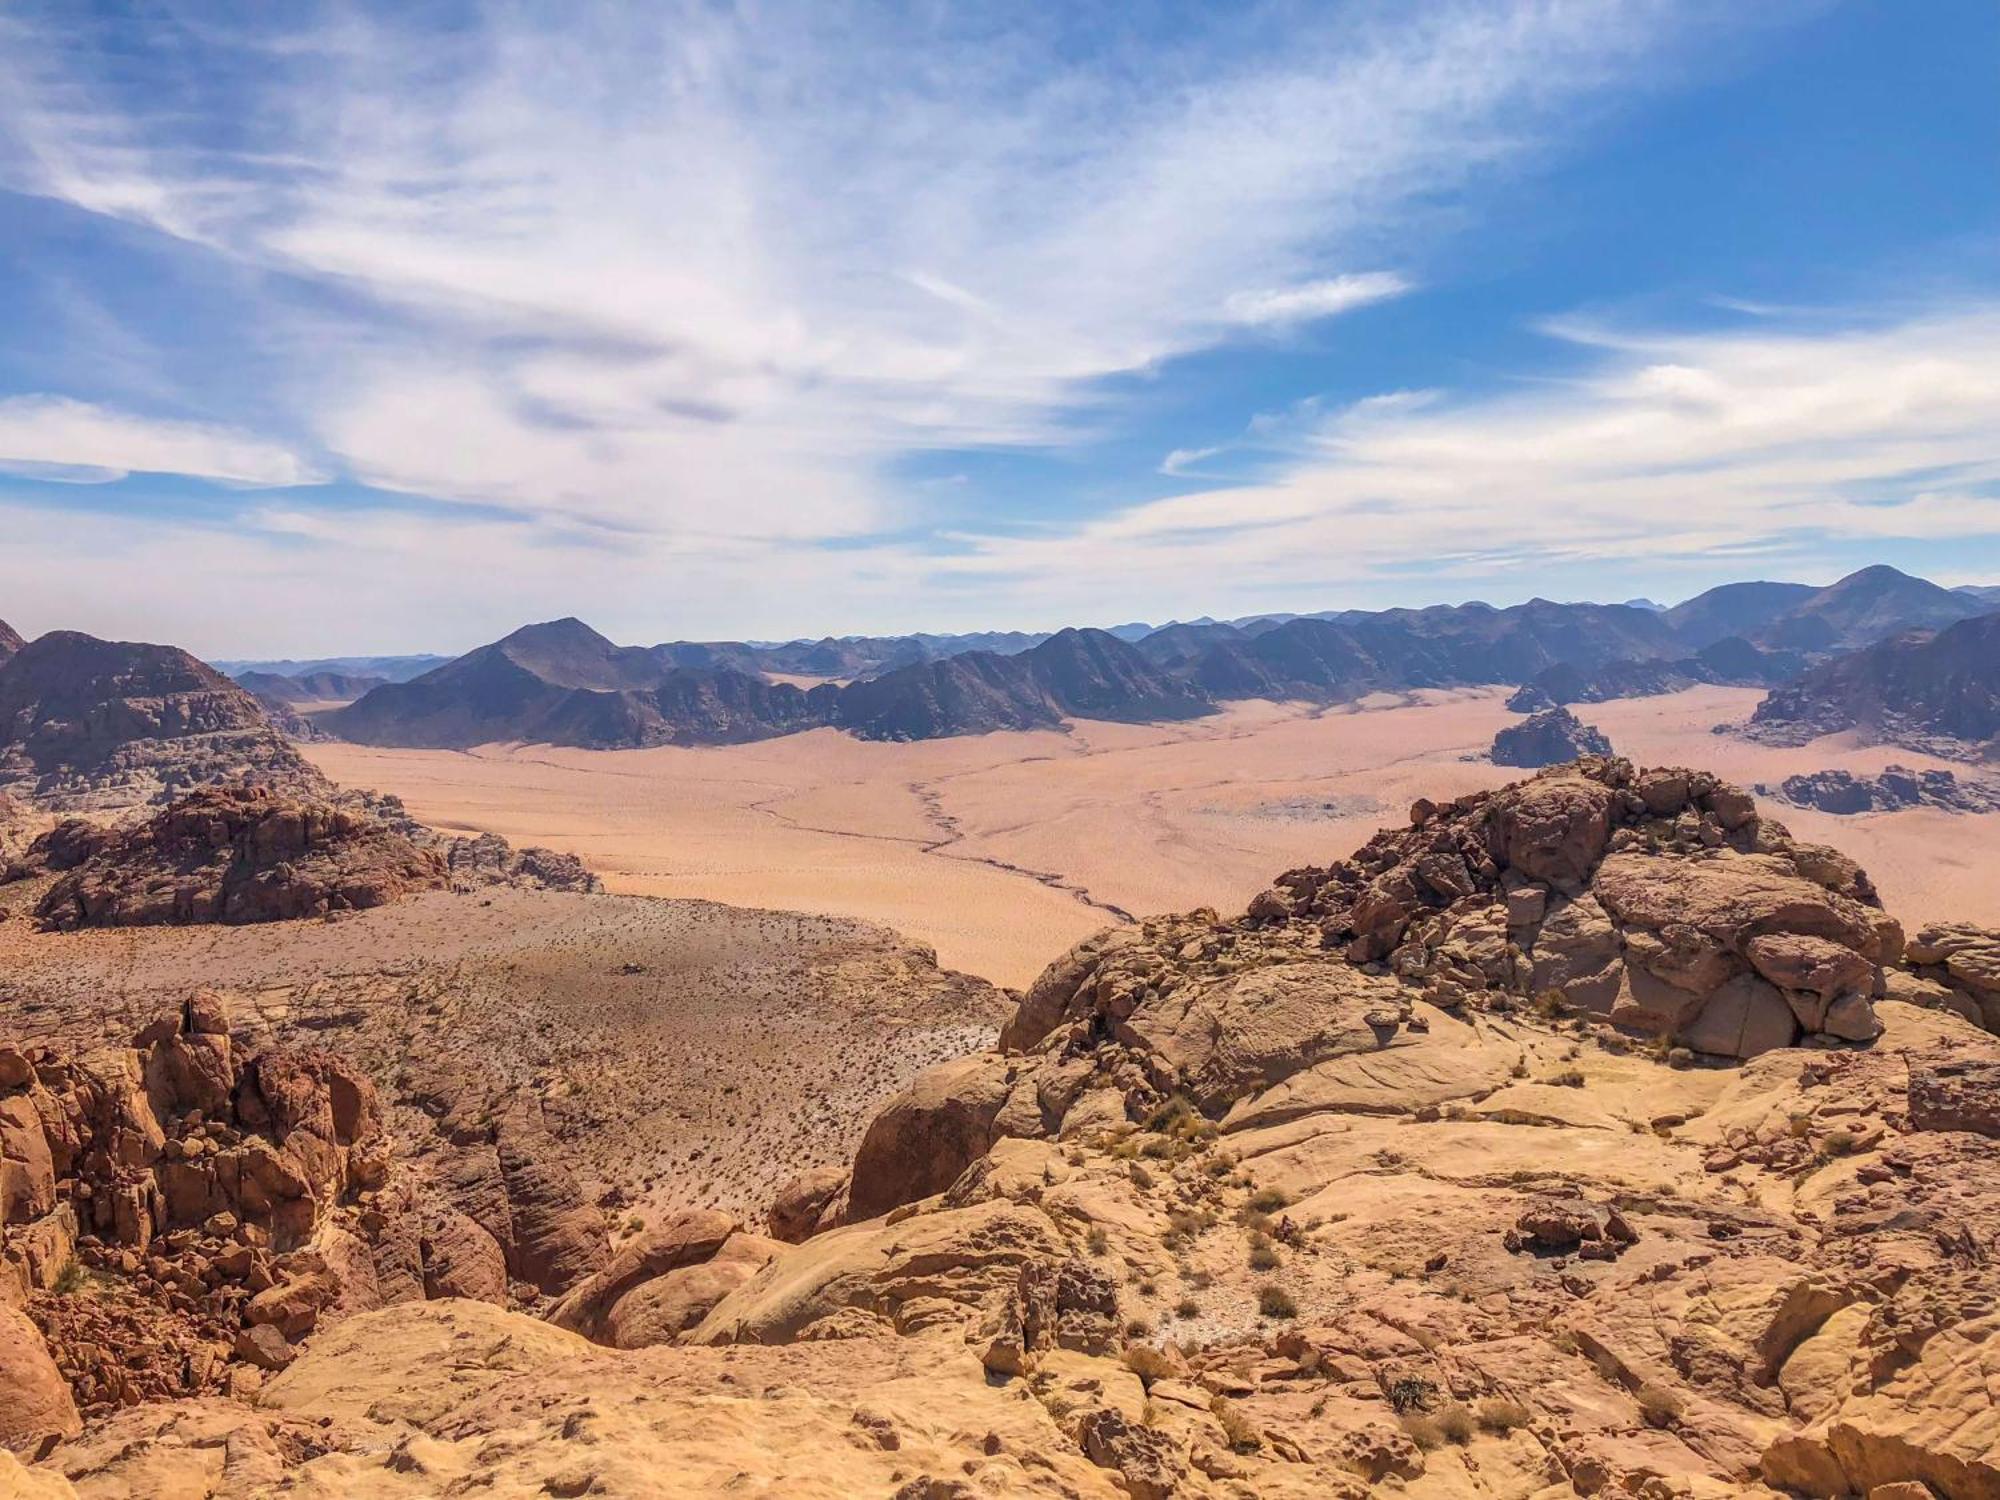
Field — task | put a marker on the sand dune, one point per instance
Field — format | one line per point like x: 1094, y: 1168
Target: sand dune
x: 1000, y: 849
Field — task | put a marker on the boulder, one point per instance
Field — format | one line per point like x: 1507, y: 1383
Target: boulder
x: 661, y: 1310
x: 928, y: 1134
x: 688, y: 1238
x: 36, y: 1410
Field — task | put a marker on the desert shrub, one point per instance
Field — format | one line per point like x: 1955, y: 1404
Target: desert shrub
x: 1097, y: 1240
x: 1275, y: 1302
x: 1456, y: 1423
x: 1840, y: 1143
x: 1269, y: 1200
x: 1498, y: 1414
x: 71, y: 1279
x: 1187, y: 1307
x: 1238, y: 1430
x: 1568, y: 1078
x: 1263, y: 1254
x: 1141, y: 1178
x: 1660, y: 1406
x: 1138, y: 1328
x: 1422, y: 1430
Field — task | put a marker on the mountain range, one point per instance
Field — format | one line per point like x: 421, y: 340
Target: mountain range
x: 564, y: 683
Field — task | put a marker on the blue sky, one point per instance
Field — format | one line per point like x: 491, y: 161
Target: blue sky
x: 351, y: 328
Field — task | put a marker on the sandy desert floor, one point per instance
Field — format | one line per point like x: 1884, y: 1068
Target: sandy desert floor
x: 687, y: 1054
x: 999, y: 850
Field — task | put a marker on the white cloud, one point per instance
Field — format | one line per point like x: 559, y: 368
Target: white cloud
x: 680, y: 268
x: 1676, y: 448
x: 1314, y: 299
x: 1181, y: 460
x: 50, y: 437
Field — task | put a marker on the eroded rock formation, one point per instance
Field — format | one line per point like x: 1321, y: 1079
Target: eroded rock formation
x: 1547, y: 738
x: 1414, y: 1179
x: 251, y: 854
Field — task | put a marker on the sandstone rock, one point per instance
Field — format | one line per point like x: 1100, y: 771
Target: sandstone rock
x: 1744, y: 1018
x: 1547, y: 738
x: 460, y: 1259
x: 688, y: 1238
x: 809, y: 1203
x: 36, y: 1409
x: 919, y: 1143
x: 1149, y: 1461
x: 242, y: 854
x: 1956, y: 1095
x: 661, y: 1310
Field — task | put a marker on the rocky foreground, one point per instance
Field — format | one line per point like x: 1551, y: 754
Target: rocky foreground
x: 1591, y: 1137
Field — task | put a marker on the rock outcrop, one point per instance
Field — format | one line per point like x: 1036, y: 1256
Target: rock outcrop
x: 1939, y: 693
x: 1897, y: 787
x: 1412, y: 1179
x: 232, y: 855
x: 97, y: 725
x: 251, y: 854
x: 1547, y: 738
x: 175, y: 1211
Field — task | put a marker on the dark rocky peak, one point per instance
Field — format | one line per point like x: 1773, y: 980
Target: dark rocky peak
x: 1865, y: 607
x: 1738, y: 609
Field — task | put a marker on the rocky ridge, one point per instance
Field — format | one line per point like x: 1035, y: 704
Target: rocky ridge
x: 1939, y: 693
x: 99, y: 725
x: 1435, y: 1173
x: 251, y: 854
x: 1897, y: 787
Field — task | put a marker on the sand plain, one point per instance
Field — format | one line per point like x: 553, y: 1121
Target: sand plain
x: 999, y: 850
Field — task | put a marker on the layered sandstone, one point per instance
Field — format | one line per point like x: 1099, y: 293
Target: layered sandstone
x: 99, y: 725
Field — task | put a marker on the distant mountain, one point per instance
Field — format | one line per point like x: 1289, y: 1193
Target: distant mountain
x: 1916, y: 689
x: 1986, y: 593
x: 563, y: 683
x: 10, y: 641
x: 1174, y: 646
x: 388, y: 668
x: 1089, y: 674
x: 306, y: 687
x: 1863, y: 608
x: 1734, y: 609
x: 1731, y: 662
x: 86, y: 723
x: 1644, y: 603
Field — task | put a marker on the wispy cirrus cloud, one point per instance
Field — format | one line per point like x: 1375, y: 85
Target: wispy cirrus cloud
x: 1673, y: 447
x: 1314, y: 299
x: 77, y: 442
x: 666, y: 267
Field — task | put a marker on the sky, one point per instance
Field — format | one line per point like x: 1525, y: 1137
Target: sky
x: 342, y: 328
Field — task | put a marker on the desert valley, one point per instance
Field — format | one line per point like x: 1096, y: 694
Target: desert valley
x: 1072, y: 1079
x: 781, y: 750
